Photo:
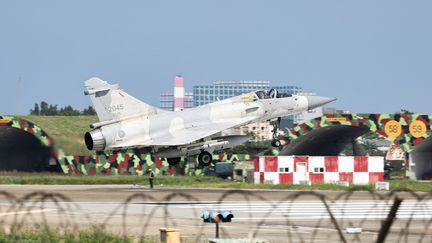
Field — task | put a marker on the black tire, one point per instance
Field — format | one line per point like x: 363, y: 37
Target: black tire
x: 205, y: 158
x: 173, y: 161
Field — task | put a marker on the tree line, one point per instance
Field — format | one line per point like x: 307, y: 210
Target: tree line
x: 45, y: 109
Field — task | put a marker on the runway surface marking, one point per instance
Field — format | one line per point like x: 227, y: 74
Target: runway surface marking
x: 311, y: 210
x: 29, y: 211
x: 250, y: 210
x: 274, y: 220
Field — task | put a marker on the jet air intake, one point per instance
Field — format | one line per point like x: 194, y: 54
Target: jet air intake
x: 95, y: 140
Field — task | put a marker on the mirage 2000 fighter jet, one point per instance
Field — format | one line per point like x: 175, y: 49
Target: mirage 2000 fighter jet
x: 126, y: 122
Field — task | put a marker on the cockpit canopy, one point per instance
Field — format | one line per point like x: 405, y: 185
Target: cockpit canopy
x: 271, y: 94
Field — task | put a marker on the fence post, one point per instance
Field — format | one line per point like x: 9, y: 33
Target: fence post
x: 389, y: 221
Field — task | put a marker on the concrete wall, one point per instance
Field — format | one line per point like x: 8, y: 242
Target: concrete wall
x: 359, y: 170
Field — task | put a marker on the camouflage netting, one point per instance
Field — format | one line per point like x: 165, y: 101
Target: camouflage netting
x: 405, y: 131
x: 124, y: 162
x: 37, y: 154
x: 135, y: 162
x: 28, y: 127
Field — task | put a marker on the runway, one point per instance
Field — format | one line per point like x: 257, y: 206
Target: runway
x: 307, y: 210
x: 272, y: 218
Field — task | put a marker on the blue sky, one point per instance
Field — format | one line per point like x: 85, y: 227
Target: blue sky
x: 374, y: 56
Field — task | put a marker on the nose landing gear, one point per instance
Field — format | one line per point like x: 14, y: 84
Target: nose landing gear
x: 276, y: 142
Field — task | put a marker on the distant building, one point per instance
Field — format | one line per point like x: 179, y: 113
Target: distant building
x: 308, y: 115
x: 333, y: 111
x: 166, y: 101
x: 317, y: 112
x: 219, y: 90
x: 258, y: 131
x: 179, y: 93
x: 177, y: 100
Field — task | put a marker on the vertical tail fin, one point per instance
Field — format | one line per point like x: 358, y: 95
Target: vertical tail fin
x: 110, y: 102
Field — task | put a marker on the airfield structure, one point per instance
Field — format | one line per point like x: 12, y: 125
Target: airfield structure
x: 24, y: 146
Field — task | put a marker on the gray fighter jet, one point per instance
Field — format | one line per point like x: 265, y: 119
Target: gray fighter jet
x: 126, y: 122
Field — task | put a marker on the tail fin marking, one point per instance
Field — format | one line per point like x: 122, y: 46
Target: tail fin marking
x: 110, y: 102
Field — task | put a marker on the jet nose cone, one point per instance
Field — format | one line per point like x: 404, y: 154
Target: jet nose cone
x: 317, y: 101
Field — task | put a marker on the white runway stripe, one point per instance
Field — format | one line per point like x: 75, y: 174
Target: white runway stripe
x: 307, y: 210
x: 273, y: 210
x: 32, y: 211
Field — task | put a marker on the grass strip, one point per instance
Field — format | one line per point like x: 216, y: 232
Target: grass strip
x: 80, y: 236
x: 192, y: 181
x: 67, y: 131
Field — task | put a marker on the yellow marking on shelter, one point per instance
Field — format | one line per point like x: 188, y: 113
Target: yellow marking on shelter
x: 393, y: 129
x: 418, y: 129
x: 336, y: 119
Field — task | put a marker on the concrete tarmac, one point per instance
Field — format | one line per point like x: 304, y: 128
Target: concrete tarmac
x: 277, y: 215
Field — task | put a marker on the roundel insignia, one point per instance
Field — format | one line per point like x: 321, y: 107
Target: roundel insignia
x: 393, y: 129
x: 418, y: 129
x: 121, y: 134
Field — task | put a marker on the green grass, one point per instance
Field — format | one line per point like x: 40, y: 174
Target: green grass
x: 409, y: 185
x: 67, y: 131
x: 84, y: 236
x: 58, y: 179
x: 192, y: 181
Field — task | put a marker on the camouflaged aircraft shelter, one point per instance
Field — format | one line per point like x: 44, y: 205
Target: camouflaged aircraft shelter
x: 328, y: 135
x: 26, y: 147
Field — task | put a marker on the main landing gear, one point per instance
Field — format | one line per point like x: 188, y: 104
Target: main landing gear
x: 205, y: 158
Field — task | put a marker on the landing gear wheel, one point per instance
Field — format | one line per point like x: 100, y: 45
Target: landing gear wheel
x: 276, y: 125
x: 173, y: 161
x: 205, y: 158
x: 276, y: 143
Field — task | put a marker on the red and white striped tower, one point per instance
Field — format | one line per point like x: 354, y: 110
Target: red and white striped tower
x: 178, y: 93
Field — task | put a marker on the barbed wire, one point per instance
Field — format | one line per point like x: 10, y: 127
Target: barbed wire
x: 303, y: 216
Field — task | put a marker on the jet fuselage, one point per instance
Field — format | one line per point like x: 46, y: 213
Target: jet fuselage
x: 126, y: 122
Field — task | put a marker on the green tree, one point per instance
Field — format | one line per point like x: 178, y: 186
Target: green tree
x: 52, y: 110
x: 406, y: 112
x: 90, y: 111
x: 43, y: 108
x: 69, y: 111
x: 35, y: 111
